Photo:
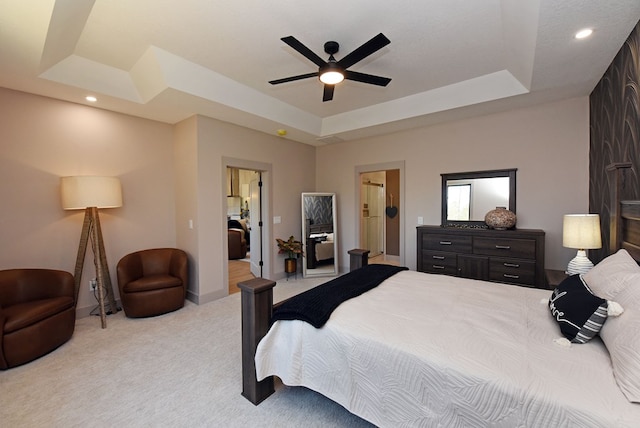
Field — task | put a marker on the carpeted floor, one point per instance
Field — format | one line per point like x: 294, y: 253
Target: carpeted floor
x: 177, y: 370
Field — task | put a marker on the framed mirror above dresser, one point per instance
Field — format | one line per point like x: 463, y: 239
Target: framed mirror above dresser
x: 464, y: 246
x: 468, y: 196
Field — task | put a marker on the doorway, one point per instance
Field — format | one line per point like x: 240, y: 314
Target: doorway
x: 380, y: 212
x: 246, y: 205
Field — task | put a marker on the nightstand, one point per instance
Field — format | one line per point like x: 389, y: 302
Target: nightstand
x: 554, y: 277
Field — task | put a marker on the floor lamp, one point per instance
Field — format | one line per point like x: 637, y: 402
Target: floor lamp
x: 90, y: 193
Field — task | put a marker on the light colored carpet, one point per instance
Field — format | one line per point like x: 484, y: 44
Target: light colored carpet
x: 181, y: 369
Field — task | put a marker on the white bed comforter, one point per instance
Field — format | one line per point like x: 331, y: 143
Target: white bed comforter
x: 434, y: 350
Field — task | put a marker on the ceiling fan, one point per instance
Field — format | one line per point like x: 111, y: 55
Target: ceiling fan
x: 332, y: 72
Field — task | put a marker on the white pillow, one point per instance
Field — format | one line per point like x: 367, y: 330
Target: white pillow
x: 612, y: 275
x: 621, y: 335
x: 618, y: 278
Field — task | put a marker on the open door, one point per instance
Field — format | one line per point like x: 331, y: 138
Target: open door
x: 255, y: 255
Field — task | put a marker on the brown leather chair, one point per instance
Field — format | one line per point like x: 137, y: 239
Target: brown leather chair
x: 153, y: 282
x: 37, y: 313
x: 237, y: 244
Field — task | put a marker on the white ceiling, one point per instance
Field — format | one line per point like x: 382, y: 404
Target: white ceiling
x: 170, y: 59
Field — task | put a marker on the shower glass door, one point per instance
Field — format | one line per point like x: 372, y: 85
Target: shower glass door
x: 372, y: 213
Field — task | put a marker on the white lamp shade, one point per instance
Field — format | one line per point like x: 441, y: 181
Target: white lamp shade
x: 81, y: 192
x: 581, y: 231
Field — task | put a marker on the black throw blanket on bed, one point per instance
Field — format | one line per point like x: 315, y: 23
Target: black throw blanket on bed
x: 316, y: 305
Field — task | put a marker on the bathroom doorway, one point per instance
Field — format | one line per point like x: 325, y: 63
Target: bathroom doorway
x: 379, y: 216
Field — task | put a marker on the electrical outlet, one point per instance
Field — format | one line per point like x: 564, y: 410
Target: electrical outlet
x: 93, y: 284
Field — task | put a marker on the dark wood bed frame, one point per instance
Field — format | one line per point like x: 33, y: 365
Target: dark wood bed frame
x: 257, y: 294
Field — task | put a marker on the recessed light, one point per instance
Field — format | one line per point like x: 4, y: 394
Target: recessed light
x: 91, y: 98
x: 584, y: 33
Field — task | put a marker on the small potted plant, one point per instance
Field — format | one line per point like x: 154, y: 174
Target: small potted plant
x: 292, y: 248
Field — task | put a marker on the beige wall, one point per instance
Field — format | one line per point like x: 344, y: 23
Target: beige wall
x: 170, y: 175
x: 41, y: 140
x: 173, y: 174
x: 289, y: 170
x: 548, y: 144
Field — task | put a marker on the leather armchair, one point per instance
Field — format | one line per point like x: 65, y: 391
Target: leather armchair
x: 37, y: 313
x: 237, y: 244
x: 153, y: 282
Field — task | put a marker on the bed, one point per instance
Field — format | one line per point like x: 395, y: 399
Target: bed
x: 320, y: 244
x: 432, y: 350
x: 323, y: 246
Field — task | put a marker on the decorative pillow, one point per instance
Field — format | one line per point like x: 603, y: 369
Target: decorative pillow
x: 621, y: 335
x: 618, y: 277
x: 578, y: 312
x: 613, y: 274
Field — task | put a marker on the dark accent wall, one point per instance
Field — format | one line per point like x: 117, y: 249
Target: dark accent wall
x: 614, y: 108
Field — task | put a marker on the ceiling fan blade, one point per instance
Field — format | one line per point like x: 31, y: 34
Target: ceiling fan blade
x: 367, y: 78
x: 328, y: 92
x: 305, y: 51
x: 293, y: 78
x: 376, y: 43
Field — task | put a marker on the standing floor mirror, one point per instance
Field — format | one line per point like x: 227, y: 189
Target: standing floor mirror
x: 319, y: 233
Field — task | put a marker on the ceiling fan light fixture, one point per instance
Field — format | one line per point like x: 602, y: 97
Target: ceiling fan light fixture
x: 331, y: 77
x: 331, y: 73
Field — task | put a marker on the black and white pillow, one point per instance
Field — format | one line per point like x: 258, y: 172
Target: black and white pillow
x: 579, y: 313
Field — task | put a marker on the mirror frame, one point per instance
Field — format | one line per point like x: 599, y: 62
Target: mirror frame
x: 511, y: 173
x: 305, y: 233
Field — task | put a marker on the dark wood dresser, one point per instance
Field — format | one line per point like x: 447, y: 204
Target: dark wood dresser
x: 509, y: 256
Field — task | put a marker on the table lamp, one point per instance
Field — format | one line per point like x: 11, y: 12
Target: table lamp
x: 581, y: 231
x: 90, y: 193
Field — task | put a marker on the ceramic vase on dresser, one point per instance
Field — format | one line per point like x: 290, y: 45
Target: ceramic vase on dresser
x: 500, y: 219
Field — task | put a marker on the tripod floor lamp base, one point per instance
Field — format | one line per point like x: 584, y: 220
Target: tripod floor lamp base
x: 91, y: 232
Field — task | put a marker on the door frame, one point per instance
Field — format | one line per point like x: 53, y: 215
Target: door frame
x: 360, y: 169
x: 266, y: 172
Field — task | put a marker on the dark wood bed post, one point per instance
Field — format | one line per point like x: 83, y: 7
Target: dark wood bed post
x: 257, y: 307
x: 617, y: 187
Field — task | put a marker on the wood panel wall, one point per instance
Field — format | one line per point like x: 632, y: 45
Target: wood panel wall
x: 615, y: 132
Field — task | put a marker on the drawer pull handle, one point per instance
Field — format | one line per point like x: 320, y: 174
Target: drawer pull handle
x: 503, y: 247
x: 438, y: 267
x: 445, y: 242
x: 438, y: 257
x: 506, y: 275
x: 512, y: 265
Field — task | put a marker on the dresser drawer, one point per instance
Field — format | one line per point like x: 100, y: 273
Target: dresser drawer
x: 509, y: 256
x: 439, y: 262
x: 515, y: 271
x: 511, y: 248
x: 443, y: 242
